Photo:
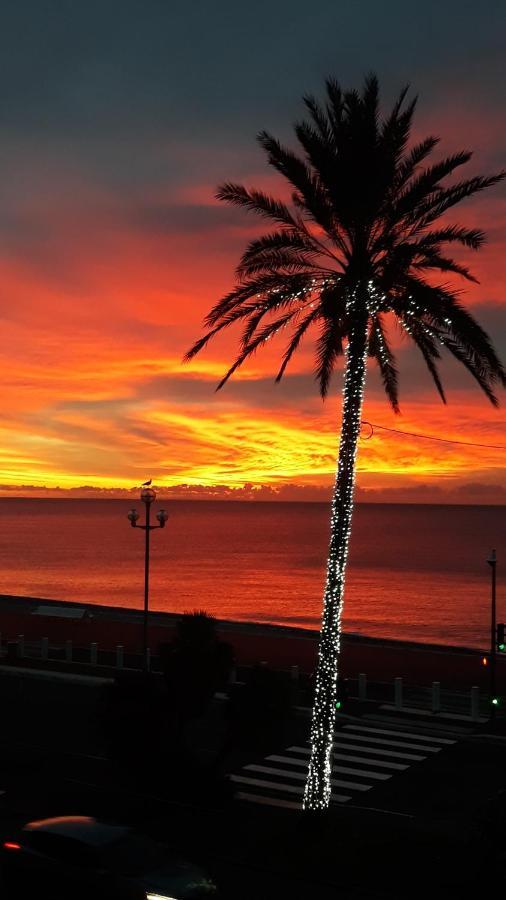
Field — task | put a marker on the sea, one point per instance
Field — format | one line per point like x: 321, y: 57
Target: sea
x: 416, y: 572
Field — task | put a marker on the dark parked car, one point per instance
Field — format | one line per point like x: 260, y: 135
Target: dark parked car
x: 79, y: 857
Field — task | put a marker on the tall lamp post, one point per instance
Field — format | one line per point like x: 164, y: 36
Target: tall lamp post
x: 492, y: 561
x: 148, y: 496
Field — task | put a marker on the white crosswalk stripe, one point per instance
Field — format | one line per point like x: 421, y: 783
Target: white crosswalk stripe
x: 379, y: 763
x: 414, y: 757
x: 273, y: 785
x: 407, y: 734
x: 367, y: 751
x: 343, y: 770
x: 388, y: 743
x: 335, y: 782
x: 427, y: 724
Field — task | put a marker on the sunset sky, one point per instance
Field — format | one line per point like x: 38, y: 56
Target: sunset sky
x: 118, y: 120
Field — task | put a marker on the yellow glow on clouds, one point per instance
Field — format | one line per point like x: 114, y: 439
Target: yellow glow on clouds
x: 93, y: 399
x: 114, y: 444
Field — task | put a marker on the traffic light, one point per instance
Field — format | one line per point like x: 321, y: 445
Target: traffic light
x: 495, y: 701
x: 500, y: 643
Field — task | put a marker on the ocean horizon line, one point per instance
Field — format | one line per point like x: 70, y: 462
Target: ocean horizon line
x: 251, y: 501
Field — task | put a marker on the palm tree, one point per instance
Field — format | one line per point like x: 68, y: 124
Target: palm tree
x: 355, y: 251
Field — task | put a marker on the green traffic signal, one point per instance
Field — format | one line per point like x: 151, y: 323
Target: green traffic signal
x: 495, y: 701
x: 501, y: 647
x: 338, y: 704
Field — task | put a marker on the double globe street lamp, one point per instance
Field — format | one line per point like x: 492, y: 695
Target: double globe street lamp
x: 148, y: 496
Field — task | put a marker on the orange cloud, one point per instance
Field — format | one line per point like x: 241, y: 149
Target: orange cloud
x: 103, y: 294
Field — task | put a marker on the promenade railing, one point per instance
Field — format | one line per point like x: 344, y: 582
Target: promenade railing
x: 398, y: 695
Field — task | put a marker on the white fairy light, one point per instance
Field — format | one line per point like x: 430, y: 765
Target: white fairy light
x: 382, y: 347
x: 318, y: 788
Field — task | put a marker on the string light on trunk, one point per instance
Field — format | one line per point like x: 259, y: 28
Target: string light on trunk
x: 318, y: 787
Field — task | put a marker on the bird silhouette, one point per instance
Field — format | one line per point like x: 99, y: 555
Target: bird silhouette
x: 147, y: 483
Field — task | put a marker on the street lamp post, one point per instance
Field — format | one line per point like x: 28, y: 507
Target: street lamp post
x: 148, y: 495
x: 492, y: 561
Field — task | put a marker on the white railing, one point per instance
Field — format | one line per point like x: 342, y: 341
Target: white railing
x: 41, y: 649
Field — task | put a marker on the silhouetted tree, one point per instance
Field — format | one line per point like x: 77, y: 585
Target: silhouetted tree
x: 196, y: 664
x: 354, y: 252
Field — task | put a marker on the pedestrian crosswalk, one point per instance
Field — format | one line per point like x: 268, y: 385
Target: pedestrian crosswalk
x: 403, y: 734
x: 364, y: 756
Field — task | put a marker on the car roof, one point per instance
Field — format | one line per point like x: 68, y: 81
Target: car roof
x: 81, y: 828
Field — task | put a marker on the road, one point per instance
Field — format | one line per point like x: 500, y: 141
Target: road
x: 437, y: 814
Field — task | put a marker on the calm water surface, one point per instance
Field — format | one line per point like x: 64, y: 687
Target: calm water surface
x: 416, y: 572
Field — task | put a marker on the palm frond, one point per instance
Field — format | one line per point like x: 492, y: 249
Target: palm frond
x: 370, y: 102
x: 296, y: 338
x: 277, y: 294
x: 426, y: 184
x: 429, y: 259
x: 469, y: 237
x: 380, y: 350
x: 294, y: 249
x: 426, y: 343
x: 392, y: 120
x: 282, y: 262
x: 469, y: 361
x: 252, y: 323
x: 305, y: 181
x: 228, y: 319
x: 442, y: 310
x: 335, y: 106
x: 394, y: 136
x: 329, y: 348
x: 320, y: 155
x: 267, y: 332
x: 258, y: 202
x: 278, y: 240
x: 258, y: 286
x: 410, y: 163
x: 433, y: 208
x: 320, y: 118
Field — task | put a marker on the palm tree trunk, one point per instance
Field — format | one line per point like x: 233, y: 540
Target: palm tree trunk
x: 317, y: 790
